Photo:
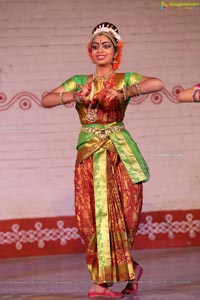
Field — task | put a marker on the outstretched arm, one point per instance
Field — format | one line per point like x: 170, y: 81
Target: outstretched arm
x: 59, y: 96
x: 56, y: 97
x: 145, y: 86
x: 150, y: 85
x: 187, y: 95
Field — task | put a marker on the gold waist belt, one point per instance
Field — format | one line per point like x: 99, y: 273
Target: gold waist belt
x: 103, y: 133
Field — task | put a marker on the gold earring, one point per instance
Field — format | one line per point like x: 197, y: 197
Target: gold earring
x: 115, y: 61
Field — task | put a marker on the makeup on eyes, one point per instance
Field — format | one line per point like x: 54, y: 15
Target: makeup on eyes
x: 96, y: 45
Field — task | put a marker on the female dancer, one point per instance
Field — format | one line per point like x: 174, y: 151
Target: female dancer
x: 110, y: 169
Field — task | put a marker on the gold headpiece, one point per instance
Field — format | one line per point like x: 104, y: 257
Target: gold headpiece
x: 109, y: 30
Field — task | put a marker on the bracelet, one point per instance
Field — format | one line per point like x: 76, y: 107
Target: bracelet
x: 124, y: 93
x: 60, y: 98
x: 196, y: 95
x: 138, y: 89
x: 78, y: 98
x: 129, y: 92
x: 133, y: 91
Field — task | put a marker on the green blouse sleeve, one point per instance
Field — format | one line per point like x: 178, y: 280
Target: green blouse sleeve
x: 70, y: 85
x: 132, y: 78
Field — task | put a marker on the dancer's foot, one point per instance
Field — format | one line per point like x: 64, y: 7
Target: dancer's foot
x: 132, y: 286
x: 99, y: 291
x: 107, y: 284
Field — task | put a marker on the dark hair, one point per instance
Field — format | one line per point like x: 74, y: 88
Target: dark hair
x: 107, y: 25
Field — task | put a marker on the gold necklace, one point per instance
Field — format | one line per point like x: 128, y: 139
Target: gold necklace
x: 95, y: 75
x: 92, y: 113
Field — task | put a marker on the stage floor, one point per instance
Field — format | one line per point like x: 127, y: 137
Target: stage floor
x: 169, y: 274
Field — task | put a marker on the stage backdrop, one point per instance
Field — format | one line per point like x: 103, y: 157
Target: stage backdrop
x: 42, y: 43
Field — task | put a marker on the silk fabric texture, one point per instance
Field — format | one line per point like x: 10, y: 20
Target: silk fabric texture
x: 109, y: 173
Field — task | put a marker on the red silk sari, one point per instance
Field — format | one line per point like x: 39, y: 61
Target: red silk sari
x: 109, y: 173
x: 124, y: 207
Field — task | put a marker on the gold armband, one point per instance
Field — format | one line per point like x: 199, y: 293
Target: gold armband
x: 60, y: 98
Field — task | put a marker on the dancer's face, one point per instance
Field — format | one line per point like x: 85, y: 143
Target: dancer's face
x: 102, y: 50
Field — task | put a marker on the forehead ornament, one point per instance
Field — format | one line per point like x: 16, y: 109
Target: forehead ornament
x: 107, y: 30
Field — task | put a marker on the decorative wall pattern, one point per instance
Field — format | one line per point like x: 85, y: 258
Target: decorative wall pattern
x: 25, y: 100
x: 169, y: 227
x: 154, y: 226
x: 39, y: 234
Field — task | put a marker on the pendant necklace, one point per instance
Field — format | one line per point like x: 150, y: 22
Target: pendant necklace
x: 92, y: 115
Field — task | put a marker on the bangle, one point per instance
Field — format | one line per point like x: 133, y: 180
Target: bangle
x: 129, y: 92
x: 196, y: 95
x: 138, y: 89
x: 78, y: 98
x: 124, y: 93
x: 133, y: 91
x: 60, y: 98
